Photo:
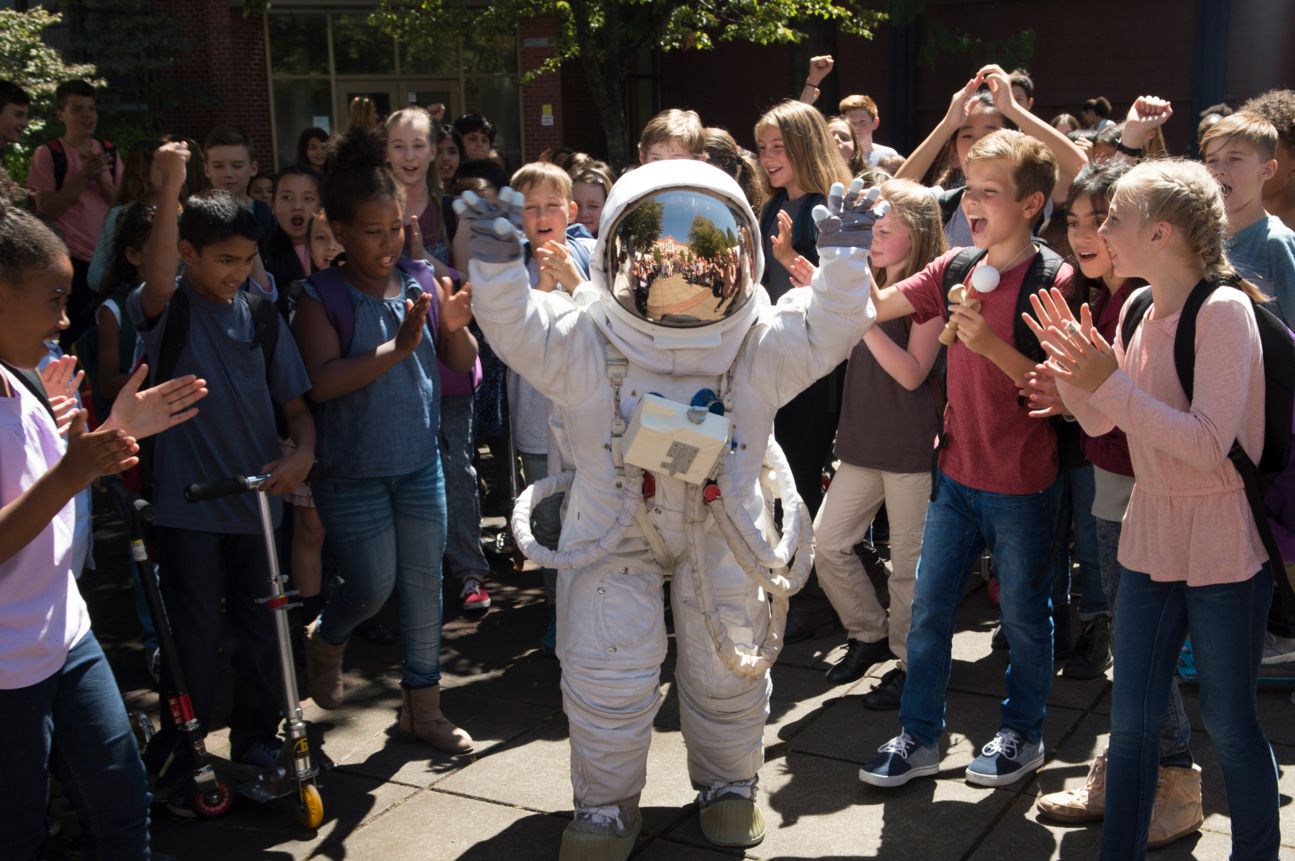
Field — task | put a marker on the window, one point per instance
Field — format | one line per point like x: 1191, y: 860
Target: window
x: 318, y: 60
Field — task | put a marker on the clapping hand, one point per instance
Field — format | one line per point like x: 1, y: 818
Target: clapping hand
x: 456, y: 308
x: 1079, y: 354
x: 142, y: 414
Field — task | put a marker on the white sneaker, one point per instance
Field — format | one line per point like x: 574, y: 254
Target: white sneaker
x: 1278, y: 650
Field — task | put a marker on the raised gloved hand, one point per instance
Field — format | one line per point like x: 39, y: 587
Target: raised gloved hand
x: 847, y: 219
x: 494, y: 229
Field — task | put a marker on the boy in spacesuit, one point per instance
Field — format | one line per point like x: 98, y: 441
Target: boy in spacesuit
x: 664, y: 384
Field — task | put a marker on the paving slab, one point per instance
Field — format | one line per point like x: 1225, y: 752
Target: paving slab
x: 850, y: 732
x: 816, y: 808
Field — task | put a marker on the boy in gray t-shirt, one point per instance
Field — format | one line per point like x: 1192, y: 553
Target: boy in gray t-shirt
x: 213, y: 551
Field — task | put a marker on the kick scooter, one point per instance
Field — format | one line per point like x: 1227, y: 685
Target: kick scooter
x: 296, y: 771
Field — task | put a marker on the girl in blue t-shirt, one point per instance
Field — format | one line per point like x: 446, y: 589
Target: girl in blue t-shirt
x: 376, y: 380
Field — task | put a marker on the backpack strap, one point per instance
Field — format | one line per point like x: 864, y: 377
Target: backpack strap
x: 957, y: 271
x: 265, y: 326
x: 175, y: 337
x: 1185, y: 336
x: 1134, y: 310
x: 1042, y: 274
x: 32, y: 382
x: 338, y: 307
x: 59, y: 157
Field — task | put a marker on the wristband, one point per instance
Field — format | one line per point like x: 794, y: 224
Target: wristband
x: 811, y: 86
x: 1121, y: 147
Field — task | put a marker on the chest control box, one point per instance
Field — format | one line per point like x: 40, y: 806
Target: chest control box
x: 670, y: 438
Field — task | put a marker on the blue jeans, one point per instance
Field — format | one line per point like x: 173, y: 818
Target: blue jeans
x: 1176, y: 731
x: 388, y: 532
x: 1226, y: 623
x: 960, y: 522
x: 1076, y: 505
x: 73, y: 725
x: 463, y: 542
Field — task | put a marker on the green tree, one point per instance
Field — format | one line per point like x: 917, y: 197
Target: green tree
x: 705, y: 239
x: 30, y: 63
x: 605, y: 37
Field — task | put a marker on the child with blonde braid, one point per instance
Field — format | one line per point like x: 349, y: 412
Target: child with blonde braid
x: 1166, y: 223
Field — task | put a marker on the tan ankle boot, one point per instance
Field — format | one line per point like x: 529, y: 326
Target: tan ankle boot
x: 1083, y: 804
x: 1177, y: 811
x: 323, y: 669
x: 421, y: 717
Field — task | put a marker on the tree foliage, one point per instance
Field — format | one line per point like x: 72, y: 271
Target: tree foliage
x: 605, y: 37
x: 38, y: 68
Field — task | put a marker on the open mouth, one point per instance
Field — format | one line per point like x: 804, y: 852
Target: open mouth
x: 386, y: 261
x: 978, y: 224
x: 1226, y: 189
x: 298, y: 222
x: 1086, y: 256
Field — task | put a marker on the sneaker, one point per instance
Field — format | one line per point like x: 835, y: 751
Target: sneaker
x: 262, y: 753
x: 885, y: 697
x: 475, y: 597
x: 900, y: 760
x: 1086, y: 803
x: 729, y: 815
x: 1006, y: 759
x: 1092, y: 653
x: 602, y: 832
x: 1278, y: 650
x: 1177, y: 810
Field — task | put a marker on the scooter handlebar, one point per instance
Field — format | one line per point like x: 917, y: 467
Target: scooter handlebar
x: 201, y: 491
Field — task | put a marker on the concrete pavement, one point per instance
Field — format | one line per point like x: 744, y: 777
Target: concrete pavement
x: 390, y: 798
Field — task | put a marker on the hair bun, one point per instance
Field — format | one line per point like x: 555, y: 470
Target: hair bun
x: 357, y: 149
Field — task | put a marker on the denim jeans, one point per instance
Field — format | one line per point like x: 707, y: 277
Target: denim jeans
x: 1176, y: 731
x: 73, y: 725
x: 1076, y: 505
x: 1226, y: 623
x: 388, y: 532
x: 198, y: 570
x: 960, y: 522
x: 463, y: 537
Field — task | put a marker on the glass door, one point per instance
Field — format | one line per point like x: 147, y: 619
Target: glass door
x: 385, y: 95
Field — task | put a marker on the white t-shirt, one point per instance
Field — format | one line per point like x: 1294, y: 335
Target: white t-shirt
x: 42, y: 615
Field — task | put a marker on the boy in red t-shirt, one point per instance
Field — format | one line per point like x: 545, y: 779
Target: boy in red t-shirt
x: 996, y: 483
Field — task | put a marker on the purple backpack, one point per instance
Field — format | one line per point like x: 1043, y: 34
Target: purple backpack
x: 341, y: 313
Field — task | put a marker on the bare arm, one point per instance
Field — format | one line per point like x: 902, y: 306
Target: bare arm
x: 332, y: 374
x: 111, y: 377
x: 909, y: 367
x: 1070, y: 158
x: 890, y: 303
x: 161, y: 251
x: 921, y: 159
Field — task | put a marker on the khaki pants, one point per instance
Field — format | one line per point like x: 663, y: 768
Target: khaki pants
x: 851, y: 503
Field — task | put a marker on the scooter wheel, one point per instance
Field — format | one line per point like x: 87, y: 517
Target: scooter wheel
x: 209, y: 805
x: 310, y: 806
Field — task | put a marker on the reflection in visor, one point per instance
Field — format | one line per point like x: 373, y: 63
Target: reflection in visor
x: 682, y: 258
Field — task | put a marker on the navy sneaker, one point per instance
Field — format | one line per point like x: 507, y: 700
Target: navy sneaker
x: 900, y: 760
x: 1006, y: 759
x: 262, y: 753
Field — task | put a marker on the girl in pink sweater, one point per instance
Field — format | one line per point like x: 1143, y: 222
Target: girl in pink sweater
x: 1193, y: 556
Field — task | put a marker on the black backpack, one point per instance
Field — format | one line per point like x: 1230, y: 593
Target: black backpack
x: 1279, y: 398
x: 1042, y: 273
x: 59, y: 156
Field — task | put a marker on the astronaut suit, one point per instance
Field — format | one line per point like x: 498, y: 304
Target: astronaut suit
x: 674, y: 317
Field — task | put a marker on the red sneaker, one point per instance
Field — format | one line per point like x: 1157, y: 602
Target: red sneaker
x: 475, y: 597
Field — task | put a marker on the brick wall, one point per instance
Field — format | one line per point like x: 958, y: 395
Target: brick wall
x: 547, y: 90
x: 225, y: 70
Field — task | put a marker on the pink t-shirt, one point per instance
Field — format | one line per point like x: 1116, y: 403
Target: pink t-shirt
x: 991, y: 443
x: 81, y: 222
x: 1188, y: 518
x: 42, y: 615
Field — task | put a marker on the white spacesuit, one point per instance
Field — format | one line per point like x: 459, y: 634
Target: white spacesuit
x: 672, y: 330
